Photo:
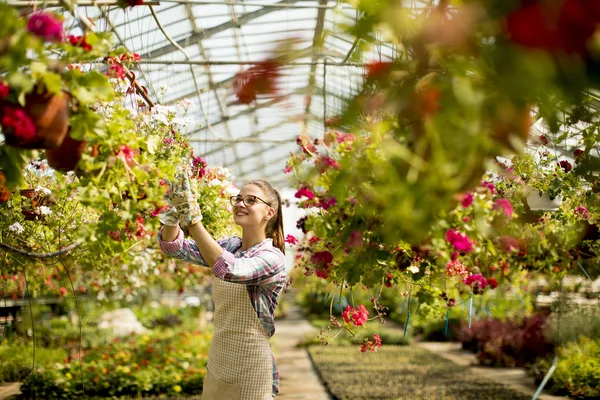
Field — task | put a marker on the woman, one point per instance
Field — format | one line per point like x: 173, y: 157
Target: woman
x: 250, y: 275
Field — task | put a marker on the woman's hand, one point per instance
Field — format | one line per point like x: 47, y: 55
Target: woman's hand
x: 184, y: 200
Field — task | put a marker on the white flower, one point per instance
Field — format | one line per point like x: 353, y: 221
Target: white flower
x: 186, y: 104
x: 182, y: 121
x: 45, y: 210
x: 161, y: 118
x: 163, y: 88
x: 44, y: 190
x: 166, y: 110
x: 16, y: 228
x: 414, y: 269
x: 185, y: 365
x: 214, y: 182
x: 101, y: 295
x: 231, y: 191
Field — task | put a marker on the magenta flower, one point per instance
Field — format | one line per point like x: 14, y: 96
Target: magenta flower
x: 504, y: 205
x: 467, y: 200
x: 326, y: 162
x: 327, y: 203
x: 47, y: 26
x: 356, y: 239
x: 305, y: 192
x: 477, y: 283
x: 287, y: 169
x: 321, y: 258
x: 488, y: 185
x: 4, y: 90
x: 291, y: 239
x: 459, y: 241
x: 582, y: 212
x: 20, y: 122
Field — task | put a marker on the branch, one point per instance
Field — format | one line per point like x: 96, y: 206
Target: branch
x: 62, y: 251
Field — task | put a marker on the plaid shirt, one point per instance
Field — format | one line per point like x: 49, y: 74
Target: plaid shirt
x: 261, y: 268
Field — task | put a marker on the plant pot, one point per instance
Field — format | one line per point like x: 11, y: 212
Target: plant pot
x: 67, y: 156
x: 50, y: 114
x: 4, y: 192
x: 541, y: 201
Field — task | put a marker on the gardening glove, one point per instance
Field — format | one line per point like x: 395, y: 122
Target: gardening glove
x: 184, y: 200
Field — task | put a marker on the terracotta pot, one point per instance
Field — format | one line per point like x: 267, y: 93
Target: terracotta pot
x: 50, y: 114
x: 4, y: 192
x: 66, y: 157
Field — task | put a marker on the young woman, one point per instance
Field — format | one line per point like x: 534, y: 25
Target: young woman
x: 250, y: 275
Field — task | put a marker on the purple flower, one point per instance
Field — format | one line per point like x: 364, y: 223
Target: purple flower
x: 47, y: 26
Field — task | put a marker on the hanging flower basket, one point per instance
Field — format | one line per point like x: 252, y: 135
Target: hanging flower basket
x: 41, y: 124
x: 67, y: 155
x: 541, y: 201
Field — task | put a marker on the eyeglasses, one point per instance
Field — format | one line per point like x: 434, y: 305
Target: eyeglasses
x: 248, y: 201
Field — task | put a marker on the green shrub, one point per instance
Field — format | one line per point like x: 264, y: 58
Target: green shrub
x: 16, y: 360
x: 577, y: 373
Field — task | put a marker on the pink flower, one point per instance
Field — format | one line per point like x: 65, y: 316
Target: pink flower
x: 291, y: 239
x: 582, y: 212
x: 327, y: 203
x: 17, y: 120
x: 488, y: 185
x: 199, y: 165
x: 346, y: 137
x: 46, y: 25
x: 321, y: 257
x: 456, y: 268
x: 305, y: 192
x: 117, y: 71
x: 509, y: 243
x: 4, y: 90
x: 63, y: 291
x: 127, y: 153
x: 371, y: 345
x: 326, y: 162
x: 287, y: 169
x: 356, y: 239
x: 504, y: 205
x: 467, y: 200
x: 459, y: 241
x: 358, y: 316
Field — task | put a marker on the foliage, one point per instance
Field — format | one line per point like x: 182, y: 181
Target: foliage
x: 506, y: 343
x: 564, y: 326
x: 167, y: 362
x: 400, y: 372
x: 16, y: 360
x: 578, y: 370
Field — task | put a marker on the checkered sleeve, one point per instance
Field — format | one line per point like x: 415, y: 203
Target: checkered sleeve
x: 186, y: 249
x: 260, y: 268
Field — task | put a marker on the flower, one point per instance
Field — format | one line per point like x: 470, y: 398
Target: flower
x: 358, y: 316
x: 16, y: 228
x: 4, y: 90
x: 305, y: 192
x: 544, y: 139
x: 467, y: 200
x: 356, y: 239
x: 117, y: 71
x: 63, y: 291
x: 46, y: 25
x: 291, y: 239
x: 414, y: 269
x: 45, y: 210
x: 509, y: 243
x: 477, y: 283
x: 456, y: 268
x: 371, y: 345
x: 459, y: 241
x: 287, y: 169
x: 325, y: 162
x: 80, y: 41
x: 504, y: 205
x: 17, y: 120
x: 488, y: 185
x: 326, y: 203
x: 127, y: 153
x: 492, y: 282
x: 378, y: 70
x: 565, y: 165
x: 578, y: 153
x: 582, y: 212
x: 321, y: 257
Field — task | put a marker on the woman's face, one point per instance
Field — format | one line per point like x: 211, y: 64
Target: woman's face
x: 255, y: 214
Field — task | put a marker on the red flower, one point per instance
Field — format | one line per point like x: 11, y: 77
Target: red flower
x: 117, y: 71
x: 127, y: 153
x: 130, y: 57
x: 287, y: 169
x: 46, y: 25
x: 258, y: 80
x: 544, y: 139
x: 291, y: 239
x: 4, y: 90
x: 388, y: 282
x: 321, y: 257
x: 378, y: 70
x: 459, y: 241
x: 467, y: 200
x: 17, y: 120
x: 371, y: 345
x: 80, y: 41
x: 305, y: 192
x: 358, y: 316
x: 492, y: 282
x: 565, y: 165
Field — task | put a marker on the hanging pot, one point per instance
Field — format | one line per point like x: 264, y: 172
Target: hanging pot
x: 4, y: 192
x: 66, y: 157
x: 50, y: 113
x: 541, y: 201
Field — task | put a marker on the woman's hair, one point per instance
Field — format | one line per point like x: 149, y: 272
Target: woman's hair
x: 274, y: 229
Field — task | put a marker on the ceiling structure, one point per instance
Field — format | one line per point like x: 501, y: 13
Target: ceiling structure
x: 194, y: 49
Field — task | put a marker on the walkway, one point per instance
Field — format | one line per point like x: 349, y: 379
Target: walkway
x: 298, y: 379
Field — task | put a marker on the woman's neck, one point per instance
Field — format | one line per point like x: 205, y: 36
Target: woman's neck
x: 251, y: 238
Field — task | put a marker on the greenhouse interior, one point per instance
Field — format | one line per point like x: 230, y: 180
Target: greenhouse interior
x: 300, y: 199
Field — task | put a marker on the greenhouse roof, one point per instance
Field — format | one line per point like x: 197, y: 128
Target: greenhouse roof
x: 195, y: 49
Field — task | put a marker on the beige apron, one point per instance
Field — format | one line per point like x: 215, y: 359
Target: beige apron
x: 240, y: 365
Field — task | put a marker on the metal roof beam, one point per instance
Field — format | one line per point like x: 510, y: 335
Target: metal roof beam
x: 194, y: 37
